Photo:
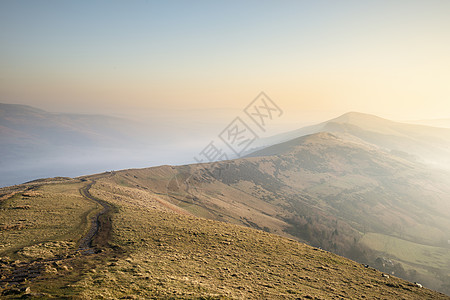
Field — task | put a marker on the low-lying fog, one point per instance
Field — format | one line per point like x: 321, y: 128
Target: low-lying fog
x: 49, y: 144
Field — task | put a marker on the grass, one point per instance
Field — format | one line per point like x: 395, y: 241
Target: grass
x: 168, y: 254
x: 409, y: 252
x: 350, y: 202
x: 160, y: 251
x: 32, y: 219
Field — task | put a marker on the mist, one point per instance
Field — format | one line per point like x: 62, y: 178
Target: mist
x: 39, y: 144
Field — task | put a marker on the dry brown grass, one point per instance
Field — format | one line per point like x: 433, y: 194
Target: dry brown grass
x: 54, y: 212
x: 172, y: 255
x: 160, y: 251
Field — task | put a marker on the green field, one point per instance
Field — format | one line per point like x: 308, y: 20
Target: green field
x: 407, y: 251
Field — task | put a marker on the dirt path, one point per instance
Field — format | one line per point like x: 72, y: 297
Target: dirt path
x: 13, y: 274
x: 101, y: 223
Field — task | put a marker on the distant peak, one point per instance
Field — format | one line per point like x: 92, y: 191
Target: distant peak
x: 357, y: 118
x: 322, y: 135
x: 7, y: 107
x: 358, y: 115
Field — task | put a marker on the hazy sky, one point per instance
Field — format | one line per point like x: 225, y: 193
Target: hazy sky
x: 390, y: 58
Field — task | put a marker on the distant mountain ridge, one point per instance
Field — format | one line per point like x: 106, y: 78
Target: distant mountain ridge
x: 425, y: 143
x: 357, y: 185
x: 37, y: 143
x: 21, y: 121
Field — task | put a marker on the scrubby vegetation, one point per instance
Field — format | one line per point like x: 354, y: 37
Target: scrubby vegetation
x: 49, y: 212
x: 159, y: 250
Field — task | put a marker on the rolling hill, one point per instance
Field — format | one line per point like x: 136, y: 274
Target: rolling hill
x: 346, y: 197
x: 424, y: 143
x: 348, y: 190
x: 146, y: 247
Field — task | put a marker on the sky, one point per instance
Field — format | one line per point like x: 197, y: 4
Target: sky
x: 207, y: 59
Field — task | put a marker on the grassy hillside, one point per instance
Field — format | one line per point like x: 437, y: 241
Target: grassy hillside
x: 323, y: 190
x: 344, y: 195
x: 158, y: 250
x: 415, y: 142
x: 43, y: 217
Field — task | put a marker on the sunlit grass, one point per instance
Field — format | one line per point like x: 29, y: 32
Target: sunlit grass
x: 424, y: 255
x: 55, y: 212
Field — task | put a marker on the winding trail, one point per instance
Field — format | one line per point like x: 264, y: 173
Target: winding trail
x: 95, y: 239
x: 101, y: 223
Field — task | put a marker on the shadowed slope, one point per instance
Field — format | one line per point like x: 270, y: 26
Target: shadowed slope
x: 161, y: 251
x: 322, y: 189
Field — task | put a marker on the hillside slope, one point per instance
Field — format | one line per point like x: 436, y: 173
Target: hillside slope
x: 156, y: 250
x: 417, y: 142
x: 347, y: 197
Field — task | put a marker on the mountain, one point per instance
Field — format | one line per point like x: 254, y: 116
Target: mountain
x: 346, y: 189
x: 26, y: 126
x: 424, y: 143
x: 140, y: 245
x: 37, y: 143
x: 345, y: 196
